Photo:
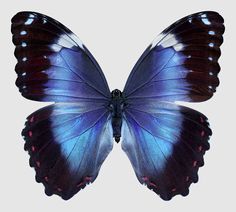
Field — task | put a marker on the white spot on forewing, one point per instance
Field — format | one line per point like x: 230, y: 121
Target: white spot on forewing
x: 210, y: 58
x: 63, y: 41
x: 24, y: 59
x: 203, y: 15
x: 55, y: 48
x: 157, y: 40
x: 29, y: 21
x: 23, y: 32
x: 178, y: 47
x: 68, y: 41
x: 77, y: 40
x: 167, y: 41
x: 211, y: 73
x: 31, y: 16
x: 211, y: 44
x: 211, y: 33
x: 23, y: 44
x: 206, y: 21
x: 23, y: 74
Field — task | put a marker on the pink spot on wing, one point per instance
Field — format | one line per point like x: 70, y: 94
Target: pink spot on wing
x: 59, y: 189
x: 153, y: 184
x: 173, y: 190
x: 88, y: 179
x: 33, y: 148
x: 194, y: 163
x: 202, y: 133
x: 31, y: 119
x: 201, y: 120
x: 80, y: 184
x: 187, y: 179
x: 46, y: 178
x: 38, y: 164
x: 30, y: 133
x: 145, y: 179
x: 200, y: 148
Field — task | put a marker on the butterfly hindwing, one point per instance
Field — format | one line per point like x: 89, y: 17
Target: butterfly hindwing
x: 53, y: 64
x: 182, y: 62
x: 67, y: 143
x: 165, y: 144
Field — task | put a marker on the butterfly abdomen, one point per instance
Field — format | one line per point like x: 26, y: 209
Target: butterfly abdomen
x: 116, y: 126
x: 116, y: 109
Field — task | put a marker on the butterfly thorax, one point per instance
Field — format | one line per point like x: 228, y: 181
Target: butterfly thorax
x: 116, y: 107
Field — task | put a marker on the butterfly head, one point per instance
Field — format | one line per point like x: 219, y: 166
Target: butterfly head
x: 116, y: 94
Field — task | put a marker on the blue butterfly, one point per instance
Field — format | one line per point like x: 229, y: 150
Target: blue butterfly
x: 69, y: 140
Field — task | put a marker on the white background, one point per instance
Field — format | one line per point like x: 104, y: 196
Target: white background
x: 117, y: 32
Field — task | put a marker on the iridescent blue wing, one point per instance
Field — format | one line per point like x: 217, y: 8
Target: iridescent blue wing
x: 182, y: 62
x: 165, y: 144
x: 53, y: 65
x: 67, y: 144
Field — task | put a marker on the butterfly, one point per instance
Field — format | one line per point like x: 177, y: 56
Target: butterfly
x: 68, y: 140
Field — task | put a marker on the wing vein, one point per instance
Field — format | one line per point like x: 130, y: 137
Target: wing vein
x: 156, y: 74
x: 81, y: 77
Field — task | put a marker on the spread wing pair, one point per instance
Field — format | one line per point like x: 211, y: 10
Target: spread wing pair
x: 69, y: 140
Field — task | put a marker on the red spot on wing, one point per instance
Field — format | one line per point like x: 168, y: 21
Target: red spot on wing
x: 202, y: 133
x: 201, y: 120
x: 30, y: 133
x: 194, y: 163
x: 152, y: 184
x: 31, y: 119
x: 200, y: 148
x: 80, y: 184
x: 145, y: 179
x: 85, y: 181
x: 38, y: 164
x: 59, y: 189
x: 88, y: 179
x: 148, y: 182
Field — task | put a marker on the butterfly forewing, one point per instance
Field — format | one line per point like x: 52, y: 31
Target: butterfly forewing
x: 53, y: 64
x: 182, y: 62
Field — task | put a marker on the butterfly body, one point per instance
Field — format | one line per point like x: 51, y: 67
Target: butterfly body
x: 117, y: 106
x: 68, y: 140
